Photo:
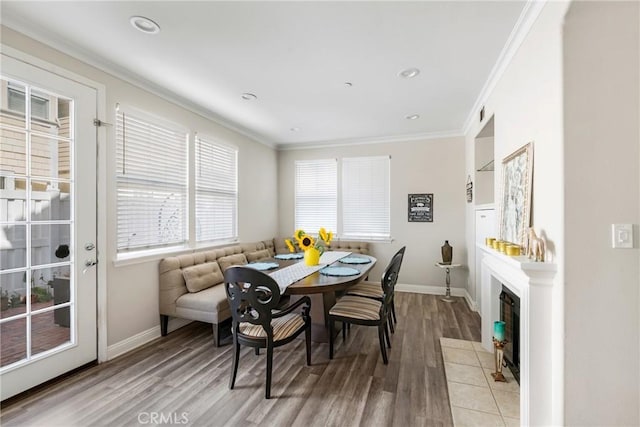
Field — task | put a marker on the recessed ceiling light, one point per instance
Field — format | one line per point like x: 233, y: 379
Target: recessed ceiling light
x: 249, y: 96
x: 295, y: 129
x: 145, y: 25
x: 409, y: 73
x: 412, y: 117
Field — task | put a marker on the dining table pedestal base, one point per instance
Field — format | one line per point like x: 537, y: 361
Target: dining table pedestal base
x: 320, y: 306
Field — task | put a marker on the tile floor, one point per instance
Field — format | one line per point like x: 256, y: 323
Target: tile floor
x: 476, y: 399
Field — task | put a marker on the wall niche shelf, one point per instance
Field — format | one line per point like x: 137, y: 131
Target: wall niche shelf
x: 486, y: 168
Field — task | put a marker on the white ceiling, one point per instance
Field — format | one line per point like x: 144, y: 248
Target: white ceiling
x: 295, y: 57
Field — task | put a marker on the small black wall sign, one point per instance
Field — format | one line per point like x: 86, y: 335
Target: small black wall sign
x: 420, y: 207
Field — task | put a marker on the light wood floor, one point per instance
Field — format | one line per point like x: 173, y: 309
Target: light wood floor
x: 185, y: 378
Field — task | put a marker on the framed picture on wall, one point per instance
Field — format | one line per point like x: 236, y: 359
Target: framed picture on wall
x: 420, y: 207
x: 515, y: 205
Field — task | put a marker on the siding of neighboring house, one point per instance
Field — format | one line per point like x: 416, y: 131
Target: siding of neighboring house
x: 50, y: 158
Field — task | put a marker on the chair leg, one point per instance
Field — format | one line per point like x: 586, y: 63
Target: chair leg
x: 267, y: 393
x: 331, y: 322
x: 216, y: 334
x: 393, y: 310
x: 307, y: 337
x: 383, y: 350
x: 164, y: 324
x: 236, y: 358
x: 390, y: 322
x: 344, y: 331
x: 386, y: 334
x: 257, y: 351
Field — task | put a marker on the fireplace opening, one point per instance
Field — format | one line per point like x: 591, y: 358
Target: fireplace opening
x: 510, y: 314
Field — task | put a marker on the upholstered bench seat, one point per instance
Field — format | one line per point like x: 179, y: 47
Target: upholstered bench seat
x: 192, y: 285
x: 209, y: 305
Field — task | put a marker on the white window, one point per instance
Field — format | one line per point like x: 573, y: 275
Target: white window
x: 16, y: 100
x: 216, y: 191
x: 316, y: 195
x: 151, y: 182
x: 365, y: 198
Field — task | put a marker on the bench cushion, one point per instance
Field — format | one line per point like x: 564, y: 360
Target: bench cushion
x: 202, y: 276
x: 227, y: 261
x: 209, y: 305
x: 258, y: 255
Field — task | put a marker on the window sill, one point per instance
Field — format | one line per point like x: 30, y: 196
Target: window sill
x: 367, y: 239
x: 140, y: 257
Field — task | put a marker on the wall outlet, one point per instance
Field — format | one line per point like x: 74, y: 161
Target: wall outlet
x: 622, y: 236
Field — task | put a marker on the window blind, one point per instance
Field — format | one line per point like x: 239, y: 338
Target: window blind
x: 151, y: 183
x: 365, y: 197
x: 216, y: 191
x: 316, y: 195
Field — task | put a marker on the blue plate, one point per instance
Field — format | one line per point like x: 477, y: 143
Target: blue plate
x: 355, y: 260
x: 339, y: 271
x: 261, y: 266
x: 289, y: 256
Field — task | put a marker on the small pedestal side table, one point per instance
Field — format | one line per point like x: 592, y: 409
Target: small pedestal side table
x: 447, y: 268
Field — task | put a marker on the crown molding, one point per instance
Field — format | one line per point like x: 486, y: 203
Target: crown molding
x: 121, y: 73
x: 527, y: 18
x: 366, y: 140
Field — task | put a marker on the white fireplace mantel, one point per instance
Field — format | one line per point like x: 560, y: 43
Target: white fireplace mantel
x: 532, y: 282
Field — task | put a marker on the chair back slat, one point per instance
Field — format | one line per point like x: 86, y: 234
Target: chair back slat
x: 252, y: 295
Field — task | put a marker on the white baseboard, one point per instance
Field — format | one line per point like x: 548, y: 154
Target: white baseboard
x: 471, y: 303
x: 437, y: 290
x: 142, y: 338
x: 427, y: 289
x: 133, y: 342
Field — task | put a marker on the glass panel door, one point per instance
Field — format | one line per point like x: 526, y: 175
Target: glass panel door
x: 47, y: 225
x: 36, y: 199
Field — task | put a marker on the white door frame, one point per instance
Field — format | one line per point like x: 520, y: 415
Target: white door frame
x: 101, y: 177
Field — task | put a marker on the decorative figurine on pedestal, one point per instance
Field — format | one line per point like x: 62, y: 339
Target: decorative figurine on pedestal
x: 447, y: 253
x: 498, y: 349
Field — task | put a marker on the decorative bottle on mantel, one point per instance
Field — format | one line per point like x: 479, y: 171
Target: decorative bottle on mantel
x: 447, y: 253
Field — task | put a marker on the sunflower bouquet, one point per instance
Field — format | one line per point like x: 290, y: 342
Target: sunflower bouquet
x: 306, y: 241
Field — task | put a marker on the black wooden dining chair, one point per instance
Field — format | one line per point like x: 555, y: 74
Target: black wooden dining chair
x: 374, y: 290
x: 351, y: 309
x: 257, y: 319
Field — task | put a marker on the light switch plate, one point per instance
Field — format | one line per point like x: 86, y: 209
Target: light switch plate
x: 622, y: 236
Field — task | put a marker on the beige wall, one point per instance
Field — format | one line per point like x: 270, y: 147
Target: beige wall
x: 527, y: 107
x: 602, y: 186
x: 132, y: 290
x: 430, y: 166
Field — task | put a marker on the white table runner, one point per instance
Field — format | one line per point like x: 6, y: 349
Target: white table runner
x: 291, y: 274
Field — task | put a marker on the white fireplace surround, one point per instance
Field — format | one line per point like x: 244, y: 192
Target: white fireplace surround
x: 532, y: 282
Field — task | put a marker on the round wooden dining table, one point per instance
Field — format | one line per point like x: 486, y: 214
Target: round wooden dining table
x: 323, y: 292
